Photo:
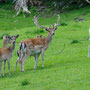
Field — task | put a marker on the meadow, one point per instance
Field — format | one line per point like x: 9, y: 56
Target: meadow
x: 67, y: 70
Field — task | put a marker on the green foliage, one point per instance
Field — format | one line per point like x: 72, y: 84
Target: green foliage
x: 74, y: 41
x: 63, y: 24
x: 25, y: 82
x: 67, y: 5
x: 40, y: 31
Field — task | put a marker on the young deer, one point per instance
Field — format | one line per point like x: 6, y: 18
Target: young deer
x: 6, y: 54
x: 37, y: 46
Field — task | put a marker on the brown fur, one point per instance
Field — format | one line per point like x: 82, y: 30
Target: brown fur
x: 6, y: 54
x: 36, y: 41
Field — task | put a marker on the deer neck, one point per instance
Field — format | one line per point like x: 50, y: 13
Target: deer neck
x: 4, y: 43
x: 49, y: 38
x: 12, y: 47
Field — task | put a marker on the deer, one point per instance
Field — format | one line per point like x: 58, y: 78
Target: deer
x: 35, y: 47
x: 6, y: 54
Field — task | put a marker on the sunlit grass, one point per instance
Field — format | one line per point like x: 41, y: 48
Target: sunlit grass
x: 62, y: 71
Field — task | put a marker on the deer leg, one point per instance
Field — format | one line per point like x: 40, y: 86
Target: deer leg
x: 0, y: 68
x: 36, y: 60
x: 17, y: 63
x: 22, y: 66
x: 4, y: 67
x: 42, y: 58
x: 21, y: 55
x: 22, y: 62
x: 8, y: 61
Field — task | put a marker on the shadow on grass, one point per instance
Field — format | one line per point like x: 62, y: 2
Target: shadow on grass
x: 25, y: 82
x: 60, y: 64
x: 39, y: 68
x: 75, y: 42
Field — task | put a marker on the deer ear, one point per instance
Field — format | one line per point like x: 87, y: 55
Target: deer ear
x: 17, y: 36
x: 4, y: 37
x: 47, y: 29
x: 9, y: 37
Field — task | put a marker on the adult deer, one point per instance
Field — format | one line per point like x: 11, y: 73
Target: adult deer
x: 37, y: 46
x: 6, y: 54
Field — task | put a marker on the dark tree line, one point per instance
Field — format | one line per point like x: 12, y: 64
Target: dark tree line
x: 22, y: 5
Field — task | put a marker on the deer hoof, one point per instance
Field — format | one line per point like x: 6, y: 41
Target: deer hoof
x: 34, y: 68
x: 22, y: 70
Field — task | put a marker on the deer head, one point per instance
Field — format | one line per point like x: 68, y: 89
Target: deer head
x: 8, y: 39
x: 13, y: 38
x: 52, y: 29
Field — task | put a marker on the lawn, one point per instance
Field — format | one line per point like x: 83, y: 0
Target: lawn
x: 69, y: 70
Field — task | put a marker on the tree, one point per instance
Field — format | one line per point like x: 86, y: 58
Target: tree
x: 88, y: 1
x: 3, y: 1
x: 21, y: 5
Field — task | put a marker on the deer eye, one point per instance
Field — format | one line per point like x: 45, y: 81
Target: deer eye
x: 17, y: 36
x: 47, y: 29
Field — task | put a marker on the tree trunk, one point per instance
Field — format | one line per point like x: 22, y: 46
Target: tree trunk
x: 21, y: 5
x: 88, y: 1
x: 3, y: 1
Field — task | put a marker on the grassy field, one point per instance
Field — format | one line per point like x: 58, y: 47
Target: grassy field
x: 69, y: 70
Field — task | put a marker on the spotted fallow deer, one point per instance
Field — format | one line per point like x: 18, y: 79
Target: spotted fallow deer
x: 37, y: 46
x: 6, y: 54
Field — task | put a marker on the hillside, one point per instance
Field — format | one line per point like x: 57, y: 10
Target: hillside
x: 67, y: 70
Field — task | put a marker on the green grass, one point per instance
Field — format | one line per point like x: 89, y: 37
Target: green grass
x: 69, y: 70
